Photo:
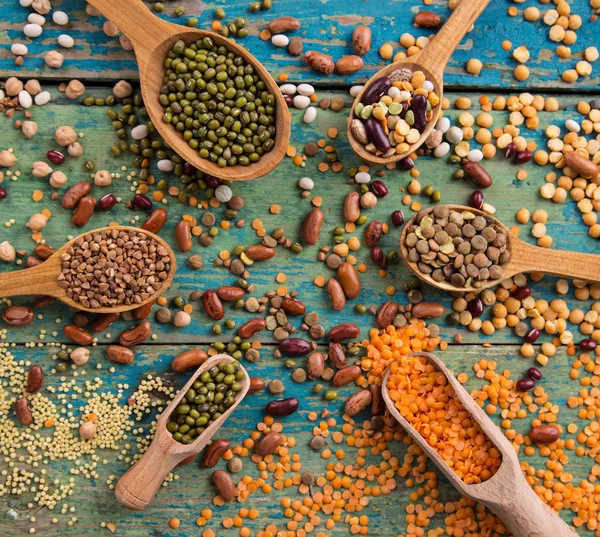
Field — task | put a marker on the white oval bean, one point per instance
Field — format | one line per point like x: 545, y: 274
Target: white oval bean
x: 60, y: 18
x: 280, y: 40
x: 306, y: 183
x: 442, y: 125
x: 19, y: 49
x: 36, y: 18
x: 66, y: 41
x: 139, y: 132
x: 301, y: 101
x: 32, y: 30
x: 362, y: 178
x: 442, y: 150
x: 305, y: 89
x: 288, y: 89
x: 165, y: 165
x: 310, y: 115
x: 25, y: 99
x: 42, y: 98
x: 355, y: 90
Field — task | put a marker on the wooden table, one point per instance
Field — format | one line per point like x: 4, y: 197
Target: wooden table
x: 326, y: 26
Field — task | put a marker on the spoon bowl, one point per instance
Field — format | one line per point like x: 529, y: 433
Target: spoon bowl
x: 507, y: 493
x: 524, y: 257
x: 153, y: 38
x: 43, y: 279
x: 431, y: 61
x: 138, y: 486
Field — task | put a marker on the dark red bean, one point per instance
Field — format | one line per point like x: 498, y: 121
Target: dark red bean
x: 532, y: 336
x: 3, y: 193
x: 587, y: 344
x: 521, y: 293
x: 283, y: 407
x: 379, y: 189
x: 376, y: 90
x: 294, y: 346
x: 56, y: 157
x: 476, y: 199
x: 142, y: 202
x: 534, y: 373
x: 476, y: 307
x: 478, y: 174
x: 107, y: 202
x: 377, y: 255
x: 407, y: 163
x: 419, y: 108
x: 289, y: 100
x: 188, y: 169
x: 377, y: 135
x: 522, y: 157
x: 525, y: 385
x: 510, y: 151
x: 212, y: 181
x: 398, y: 218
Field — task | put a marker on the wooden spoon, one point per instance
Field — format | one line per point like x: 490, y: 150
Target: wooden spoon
x: 138, y: 486
x: 432, y: 62
x: 524, y: 257
x: 43, y: 279
x: 506, y: 493
x: 152, y: 39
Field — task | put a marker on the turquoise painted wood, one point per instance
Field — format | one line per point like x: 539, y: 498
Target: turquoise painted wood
x: 326, y: 27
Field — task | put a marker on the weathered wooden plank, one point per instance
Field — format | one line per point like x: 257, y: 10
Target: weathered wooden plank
x: 327, y: 27
x: 192, y: 492
x: 507, y: 195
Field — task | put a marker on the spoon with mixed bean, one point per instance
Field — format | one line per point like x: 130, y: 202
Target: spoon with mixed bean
x: 458, y: 248
x: 209, y: 98
x: 398, y: 107
x: 185, y: 427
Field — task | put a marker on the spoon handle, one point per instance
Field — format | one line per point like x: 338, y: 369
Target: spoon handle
x: 40, y: 280
x: 525, y: 514
x: 528, y: 258
x: 136, y: 21
x: 435, y: 56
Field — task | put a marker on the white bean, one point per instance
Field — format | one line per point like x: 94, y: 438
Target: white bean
x: 572, y: 125
x: 60, y: 18
x: 165, y: 165
x: 306, y: 183
x: 441, y: 150
x: 355, y: 90
x: 301, y: 101
x: 42, y: 98
x: 280, y: 40
x: 442, y: 125
x: 454, y: 135
x: 288, y: 89
x: 36, y: 18
x: 32, y: 30
x: 475, y: 155
x: 223, y: 193
x: 139, y: 132
x: 394, y: 92
x: 66, y: 41
x: 305, y: 89
x: 427, y: 85
x: 362, y: 178
x: 25, y: 99
x: 25, y: 3
x: 310, y: 115
x: 18, y: 49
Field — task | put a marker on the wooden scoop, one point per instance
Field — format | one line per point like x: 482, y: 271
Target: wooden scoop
x: 432, y: 62
x: 524, y: 257
x: 506, y: 493
x: 43, y: 279
x: 152, y: 39
x: 138, y: 486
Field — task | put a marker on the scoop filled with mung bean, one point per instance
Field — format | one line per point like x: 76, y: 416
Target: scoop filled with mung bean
x: 218, y: 102
x: 209, y: 397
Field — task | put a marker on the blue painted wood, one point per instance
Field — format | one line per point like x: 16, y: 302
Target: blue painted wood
x: 327, y: 27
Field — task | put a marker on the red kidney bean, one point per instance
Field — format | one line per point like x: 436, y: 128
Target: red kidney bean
x: 521, y: 293
x: 23, y: 412
x: 346, y: 375
x: 230, y: 293
x: 140, y: 332
x: 103, y: 321
x: 183, y: 236
x: 337, y: 356
x: 398, y: 218
x: 213, y: 305
x: 142, y: 202
x: 224, y: 484
x: 373, y: 233
x: 212, y: 181
x: 294, y: 346
x: 75, y: 193
x: 78, y: 335
x: 544, y: 434
x: 522, y: 157
x: 283, y: 407
x: 407, y: 163
x: 525, y: 385
x: 293, y: 307
x: 510, y: 150
x: 377, y: 135
x: 376, y: 90
x: 587, y: 344
x: 214, y: 452
x: 3, y: 193
x: 32, y: 262
x: 377, y: 255
x: 44, y: 251
x: 534, y: 373
x: 155, y: 221
x: 35, y: 378
x: 56, y: 157
x: 478, y: 174
x: 107, y: 202
x: 343, y: 331
x: 476, y: 307
x: 188, y: 168
x: 532, y: 336
x: 83, y: 211
x: 17, y: 315
x: 379, y: 189
x: 476, y: 199
x: 141, y: 312
x: 419, y: 108
x: 289, y: 100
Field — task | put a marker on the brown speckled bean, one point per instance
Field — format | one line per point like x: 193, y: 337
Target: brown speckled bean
x: 78, y: 335
x: 214, y: 452
x: 140, y: 332
x: 119, y: 354
x: 189, y: 360
x: 358, y: 402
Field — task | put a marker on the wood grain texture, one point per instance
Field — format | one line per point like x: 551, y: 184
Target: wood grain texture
x: 326, y: 27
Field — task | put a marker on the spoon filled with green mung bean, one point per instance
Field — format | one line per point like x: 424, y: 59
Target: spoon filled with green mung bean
x: 209, y: 98
x: 185, y: 427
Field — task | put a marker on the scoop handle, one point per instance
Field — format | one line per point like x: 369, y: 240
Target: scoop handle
x: 39, y: 280
x: 435, y: 56
x: 526, y: 515
x: 528, y: 258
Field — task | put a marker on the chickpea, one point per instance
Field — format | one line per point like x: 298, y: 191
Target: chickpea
x: 7, y: 252
x: 54, y: 59
x: 102, y: 178
x: 65, y: 135
x: 122, y: 89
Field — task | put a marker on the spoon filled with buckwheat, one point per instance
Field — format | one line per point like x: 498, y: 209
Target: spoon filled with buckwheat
x: 458, y: 248
x: 106, y: 270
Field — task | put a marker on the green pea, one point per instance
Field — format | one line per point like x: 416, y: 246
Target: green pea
x: 178, y: 301
x: 437, y: 196
x: 428, y: 191
x: 230, y: 323
x: 220, y: 13
x: 179, y: 11
x: 330, y: 395
x: 360, y: 308
x: 362, y: 220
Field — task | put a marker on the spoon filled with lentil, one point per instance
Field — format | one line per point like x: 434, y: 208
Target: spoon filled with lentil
x: 185, y: 427
x: 465, y: 444
x: 209, y: 98
x: 106, y: 270
x: 396, y: 111
x: 458, y: 248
